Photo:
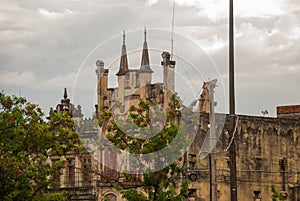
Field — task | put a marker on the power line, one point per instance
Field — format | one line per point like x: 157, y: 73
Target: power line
x: 233, y: 135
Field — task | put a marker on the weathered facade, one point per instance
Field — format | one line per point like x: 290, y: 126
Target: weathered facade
x: 268, y: 149
x: 268, y: 153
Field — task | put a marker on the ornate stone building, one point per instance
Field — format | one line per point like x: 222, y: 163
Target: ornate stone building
x: 268, y: 148
x: 135, y: 84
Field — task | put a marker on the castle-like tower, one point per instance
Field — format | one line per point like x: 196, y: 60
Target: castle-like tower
x: 135, y: 84
x: 268, y: 147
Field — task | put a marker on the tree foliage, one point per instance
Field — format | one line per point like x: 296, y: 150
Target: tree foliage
x: 26, y: 142
x: 159, y: 185
x: 276, y: 195
x: 52, y: 197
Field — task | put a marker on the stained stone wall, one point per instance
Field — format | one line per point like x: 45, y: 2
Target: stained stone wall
x: 268, y: 152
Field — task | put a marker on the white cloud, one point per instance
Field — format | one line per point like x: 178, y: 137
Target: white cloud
x: 216, y: 9
x: 53, y: 15
x: 17, y: 78
x: 151, y: 2
x: 245, y: 8
x: 31, y: 80
x: 57, y: 82
x: 44, y: 42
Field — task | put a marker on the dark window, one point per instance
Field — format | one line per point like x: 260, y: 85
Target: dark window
x: 71, y: 172
x: 86, y: 172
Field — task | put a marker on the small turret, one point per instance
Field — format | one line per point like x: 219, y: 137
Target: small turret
x: 168, y: 77
x: 204, y: 103
x: 65, y: 104
x: 102, y: 84
x: 100, y: 68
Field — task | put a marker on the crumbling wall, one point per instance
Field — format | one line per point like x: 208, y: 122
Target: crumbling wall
x: 267, y: 152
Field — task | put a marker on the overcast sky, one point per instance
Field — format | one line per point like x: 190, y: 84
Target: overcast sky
x: 48, y: 45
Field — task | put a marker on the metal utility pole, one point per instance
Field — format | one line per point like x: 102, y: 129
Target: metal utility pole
x: 231, y: 60
x: 233, y: 179
x: 212, y: 138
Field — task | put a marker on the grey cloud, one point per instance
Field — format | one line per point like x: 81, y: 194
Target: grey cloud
x: 266, y: 47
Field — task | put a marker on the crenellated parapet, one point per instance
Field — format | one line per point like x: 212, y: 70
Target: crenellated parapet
x: 268, y: 152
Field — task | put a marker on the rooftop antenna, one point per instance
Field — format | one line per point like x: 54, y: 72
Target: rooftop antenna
x: 172, y: 39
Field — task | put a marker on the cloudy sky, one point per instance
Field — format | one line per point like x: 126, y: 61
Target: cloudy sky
x: 48, y: 45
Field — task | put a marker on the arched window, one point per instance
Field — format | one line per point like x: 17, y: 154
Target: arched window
x: 110, y: 197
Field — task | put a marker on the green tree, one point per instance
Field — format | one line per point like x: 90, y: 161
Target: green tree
x: 276, y: 195
x: 159, y: 185
x: 52, y: 197
x: 26, y: 142
x: 264, y: 112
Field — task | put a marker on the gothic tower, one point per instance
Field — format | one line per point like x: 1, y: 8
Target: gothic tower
x: 145, y: 72
x: 123, y: 71
x: 135, y: 84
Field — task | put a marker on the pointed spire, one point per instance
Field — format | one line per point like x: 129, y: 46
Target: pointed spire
x: 65, y: 94
x: 123, y: 37
x: 123, y: 62
x: 145, y: 64
x: 145, y: 35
